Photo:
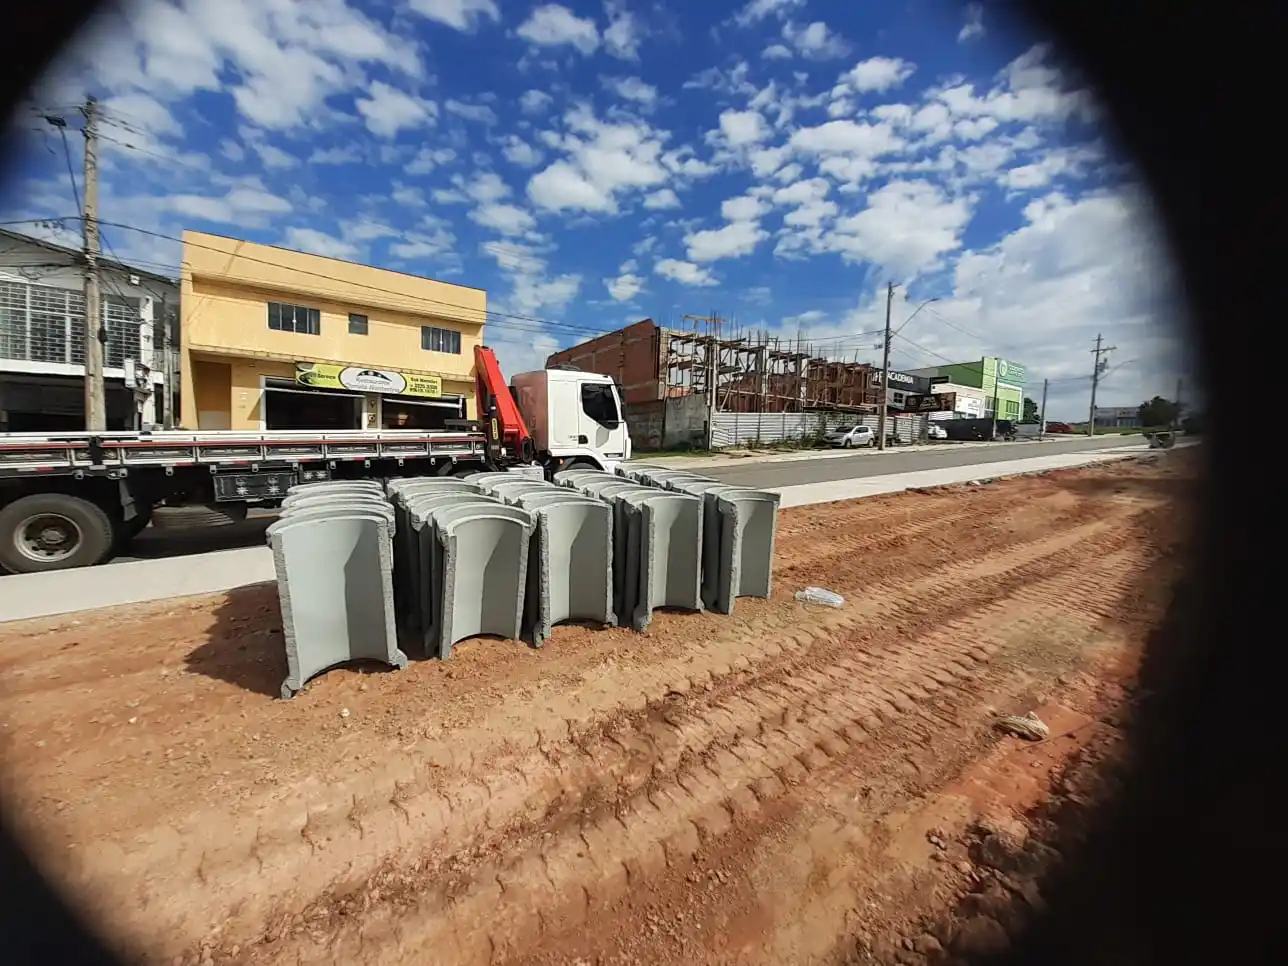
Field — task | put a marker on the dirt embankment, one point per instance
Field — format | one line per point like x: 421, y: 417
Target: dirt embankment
x: 789, y: 784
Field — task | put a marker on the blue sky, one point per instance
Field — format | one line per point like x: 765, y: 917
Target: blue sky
x: 591, y: 163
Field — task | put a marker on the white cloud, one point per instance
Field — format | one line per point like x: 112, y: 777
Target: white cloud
x: 431, y: 238
x: 408, y: 196
x: 741, y: 128
x: 743, y: 208
x: 877, y: 74
x: 776, y: 52
x: 732, y: 241
x: 520, y: 152
x: 624, y: 287
x: 815, y: 41
x: 661, y: 200
x: 345, y: 154
x: 632, y: 89
x: 535, y: 102
x: 279, y: 62
x: 231, y: 150
x: 461, y: 14
x: 973, y: 29
x: 471, y: 112
x: 757, y: 10
x: 274, y: 157
x: 503, y: 218
x: 247, y: 202
x: 1030, y: 90
x: 388, y: 110
x: 906, y: 227
x: 855, y: 138
x: 427, y: 159
x: 486, y: 187
x: 554, y: 25
x: 686, y: 273
x: 319, y: 243
x: 605, y: 159
x: 624, y: 34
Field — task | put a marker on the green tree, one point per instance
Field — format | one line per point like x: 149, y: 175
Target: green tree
x: 1030, y: 411
x: 1158, y: 412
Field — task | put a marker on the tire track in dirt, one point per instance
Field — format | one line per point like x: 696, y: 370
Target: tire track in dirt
x: 470, y: 812
x: 514, y: 773
x: 805, y: 833
x: 713, y: 764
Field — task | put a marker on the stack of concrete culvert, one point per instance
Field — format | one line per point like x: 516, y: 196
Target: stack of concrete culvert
x: 444, y: 559
x: 333, y: 553
x: 738, y: 533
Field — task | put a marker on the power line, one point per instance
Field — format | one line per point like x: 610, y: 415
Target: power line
x: 61, y: 124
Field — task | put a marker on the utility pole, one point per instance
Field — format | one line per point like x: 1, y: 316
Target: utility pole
x: 885, y: 371
x: 95, y: 402
x: 1042, y: 411
x: 1096, y: 370
x: 1176, y: 420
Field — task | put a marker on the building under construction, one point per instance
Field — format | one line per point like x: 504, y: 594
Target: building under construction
x: 748, y: 373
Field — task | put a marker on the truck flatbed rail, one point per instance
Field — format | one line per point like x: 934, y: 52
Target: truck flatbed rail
x: 23, y: 454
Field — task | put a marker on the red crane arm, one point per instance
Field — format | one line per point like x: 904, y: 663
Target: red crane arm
x: 492, y: 391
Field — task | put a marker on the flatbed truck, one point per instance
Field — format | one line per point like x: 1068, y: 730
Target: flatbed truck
x: 76, y: 499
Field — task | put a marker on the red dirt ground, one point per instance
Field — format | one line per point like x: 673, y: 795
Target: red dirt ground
x: 791, y: 784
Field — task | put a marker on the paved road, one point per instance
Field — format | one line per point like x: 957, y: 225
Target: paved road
x: 155, y: 544
x: 865, y: 463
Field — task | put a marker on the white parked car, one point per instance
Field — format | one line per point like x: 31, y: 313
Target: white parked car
x: 851, y: 436
x: 935, y: 431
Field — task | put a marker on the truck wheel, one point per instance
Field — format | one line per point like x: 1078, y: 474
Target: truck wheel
x: 53, y: 531
x: 127, y: 530
x: 198, y: 515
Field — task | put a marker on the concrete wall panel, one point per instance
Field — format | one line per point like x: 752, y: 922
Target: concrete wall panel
x: 328, y: 486
x: 630, y: 579
x: 430, y: 484
x: 511, y: 490
x: 573, y: 477
x: 324, y: 497
x: 738, y: 543
x: 570, y: 563
x: 335, y: 587
x: 481, y: 568
x: 670, y: 551
x: 413, y: 547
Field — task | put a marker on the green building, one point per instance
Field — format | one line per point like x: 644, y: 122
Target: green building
x: 1000, y: 380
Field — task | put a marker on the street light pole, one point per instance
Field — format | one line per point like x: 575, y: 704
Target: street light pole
x: 885, y: 372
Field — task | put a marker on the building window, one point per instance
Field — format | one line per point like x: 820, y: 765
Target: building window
x: 357, y: 324
x: 433, y: 339
x: 294, y: 318
x: 40, y: 323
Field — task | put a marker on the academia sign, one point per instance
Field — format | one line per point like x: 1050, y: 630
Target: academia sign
x: 389, y: 382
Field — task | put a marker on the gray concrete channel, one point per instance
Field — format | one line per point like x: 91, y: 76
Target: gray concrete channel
x: 442, y: 560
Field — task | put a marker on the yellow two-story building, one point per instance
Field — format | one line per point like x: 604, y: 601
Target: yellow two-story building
x: 278, y: 339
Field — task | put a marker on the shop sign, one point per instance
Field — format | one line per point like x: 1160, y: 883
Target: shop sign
x: 1010, y: 373
x: 390, y: 382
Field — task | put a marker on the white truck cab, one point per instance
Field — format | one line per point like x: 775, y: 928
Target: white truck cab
x: 573, y: 416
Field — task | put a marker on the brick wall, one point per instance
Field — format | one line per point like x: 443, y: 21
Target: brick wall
x: 632, y: 356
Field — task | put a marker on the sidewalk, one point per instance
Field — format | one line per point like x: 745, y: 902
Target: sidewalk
x: 808, y: 494
x: 44, y: 595
x: 748, y: 457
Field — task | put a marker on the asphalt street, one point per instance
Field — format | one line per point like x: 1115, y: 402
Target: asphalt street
x: 154, y: 544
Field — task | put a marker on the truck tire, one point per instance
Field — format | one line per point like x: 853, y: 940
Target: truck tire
x: 127, y: 530
x: 198, y: 515
x: 53, y: 531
